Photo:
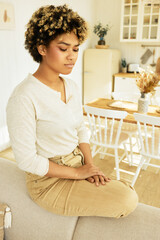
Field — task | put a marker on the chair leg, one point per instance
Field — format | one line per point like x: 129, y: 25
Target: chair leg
x: 126, y: 152
x: 145, y: 165
x: 102, y: 155
x: 93, y: 150
x: 138, y: 144
x: 131, y: 150
x: 138, y: 171
x: 117, y: 164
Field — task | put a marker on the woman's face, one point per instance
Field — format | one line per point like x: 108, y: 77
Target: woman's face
x: 61, y: 54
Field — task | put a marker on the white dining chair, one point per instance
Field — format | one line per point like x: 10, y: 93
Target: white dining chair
x: 104, y: 135
x: 130, y: 129
x: 149, y: 135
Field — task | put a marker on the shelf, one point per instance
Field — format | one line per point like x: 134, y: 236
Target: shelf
x: 150, y: 45
x: 131, y: 26
x: 126, y: 75
x: 152, y: 25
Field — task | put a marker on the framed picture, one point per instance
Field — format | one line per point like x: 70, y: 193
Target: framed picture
x: 7, y: 18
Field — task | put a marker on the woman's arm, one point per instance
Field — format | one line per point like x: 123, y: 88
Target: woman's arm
x: 83, y: 172
x: 88, y: 171
x: 85, y: 149
x: 97, y: 179
x: 84, y: 146
x: 21, y: 121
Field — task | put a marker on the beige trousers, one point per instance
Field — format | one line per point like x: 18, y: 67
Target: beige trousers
x: 79, y: 197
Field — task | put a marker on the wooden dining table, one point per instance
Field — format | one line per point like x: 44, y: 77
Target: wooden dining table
x: 129, y: 107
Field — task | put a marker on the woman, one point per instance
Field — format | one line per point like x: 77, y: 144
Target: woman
x: 46, y: 128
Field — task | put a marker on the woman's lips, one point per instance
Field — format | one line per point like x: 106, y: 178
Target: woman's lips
x: 69, y: 65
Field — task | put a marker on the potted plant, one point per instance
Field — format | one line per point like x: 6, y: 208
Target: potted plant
x: 123, y: 65
x: 101, y: 31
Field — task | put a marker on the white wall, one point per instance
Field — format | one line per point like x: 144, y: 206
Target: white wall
x: 109, y: 11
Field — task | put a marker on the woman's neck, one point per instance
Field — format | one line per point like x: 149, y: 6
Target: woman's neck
x: 51, y: 80
x: 47, y: 76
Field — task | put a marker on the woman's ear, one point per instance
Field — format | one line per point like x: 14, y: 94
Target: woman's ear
x: 42, y: 50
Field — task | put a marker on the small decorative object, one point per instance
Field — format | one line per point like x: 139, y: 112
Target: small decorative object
x: 101, y: 31
x: 146, y: 81
x: 5, y: 218
x: 123, y: 65
x: 7, y: 19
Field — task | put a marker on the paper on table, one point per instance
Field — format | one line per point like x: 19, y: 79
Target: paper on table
x: 124, y: 105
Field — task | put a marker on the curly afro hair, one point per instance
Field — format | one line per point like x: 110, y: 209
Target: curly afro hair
x: 48, y: 22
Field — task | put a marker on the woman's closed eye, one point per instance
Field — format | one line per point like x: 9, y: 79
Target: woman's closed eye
x: 76, y: 50
x: 65, y: 49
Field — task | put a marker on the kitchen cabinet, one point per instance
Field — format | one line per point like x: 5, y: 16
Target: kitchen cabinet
x: 99, y: 66
x: 125, y: 87
x: 150, y: 28
x: 125, y: 83
x: 140, y: 21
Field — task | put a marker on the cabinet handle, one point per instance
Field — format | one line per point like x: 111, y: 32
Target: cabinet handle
x: 87, y: 72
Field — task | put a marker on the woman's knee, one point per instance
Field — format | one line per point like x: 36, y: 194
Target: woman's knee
x: 128, y: 200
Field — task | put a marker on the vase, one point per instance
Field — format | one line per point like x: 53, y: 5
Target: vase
x: 143, y: 103
x: 101, y: 41
x: 124, y: 69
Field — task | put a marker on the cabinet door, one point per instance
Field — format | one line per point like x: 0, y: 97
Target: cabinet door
x: 123, y: 84
x: 150, y: 29
x: 140, y: 21
x: 130, y: 20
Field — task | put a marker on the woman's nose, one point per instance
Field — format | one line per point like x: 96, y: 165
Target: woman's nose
x: 71, y: 55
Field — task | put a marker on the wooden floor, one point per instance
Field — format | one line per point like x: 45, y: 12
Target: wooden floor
x: 147, y: 184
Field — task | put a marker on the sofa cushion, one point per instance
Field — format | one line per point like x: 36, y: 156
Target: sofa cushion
x: 32, y: 222
x: 143, y: 223
x: 29, y: 221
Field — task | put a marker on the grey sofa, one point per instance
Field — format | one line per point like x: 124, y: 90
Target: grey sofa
x: 30, y: 222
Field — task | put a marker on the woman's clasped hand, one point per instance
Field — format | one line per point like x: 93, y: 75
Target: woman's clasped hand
x: 92, y: 174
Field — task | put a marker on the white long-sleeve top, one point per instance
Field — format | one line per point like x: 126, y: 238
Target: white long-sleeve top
x: 41, y: 125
